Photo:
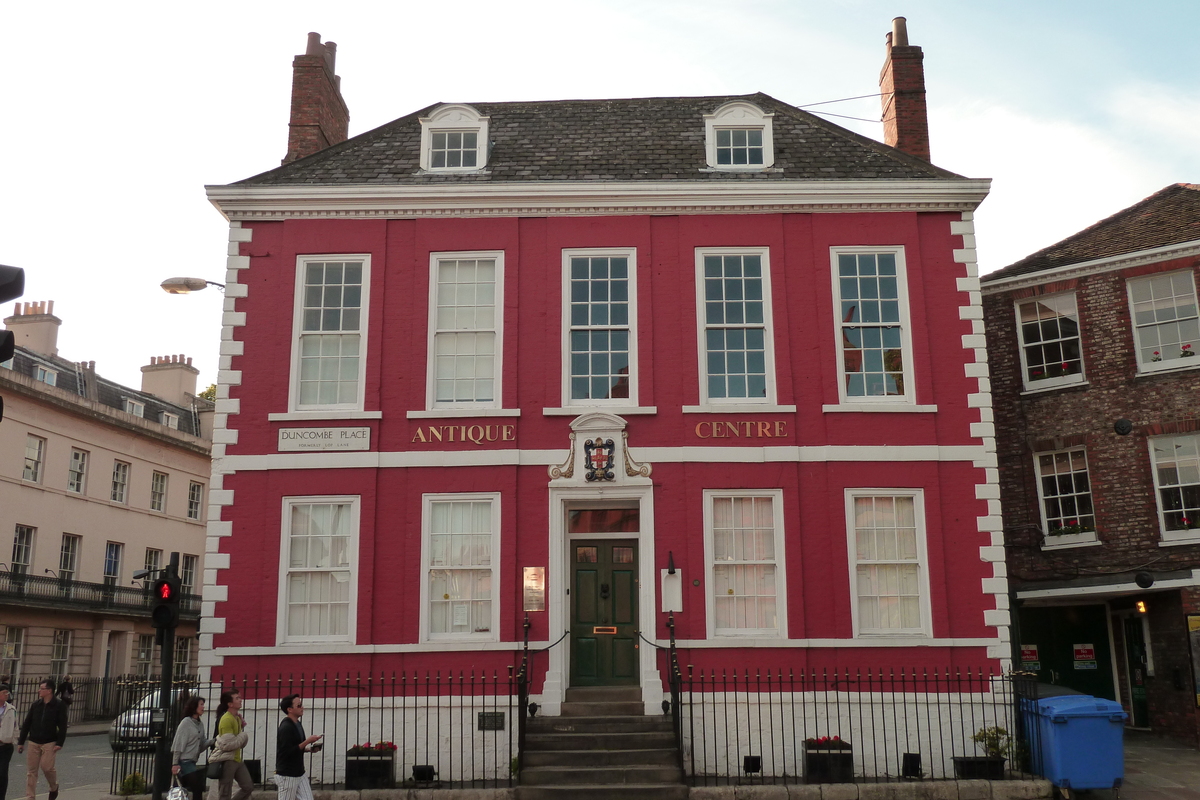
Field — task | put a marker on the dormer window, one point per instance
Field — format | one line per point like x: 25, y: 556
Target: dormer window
x: 134, y: 407
x: 738, y: 137
x: 454, y: 139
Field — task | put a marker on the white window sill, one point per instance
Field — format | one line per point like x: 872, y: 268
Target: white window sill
x: 753, y: 168
x: 1144, y: 370
x: 898, y: 634
x: 740, y: 408
x: 296, y: 416
x: 757, y: 635
x: 877, y: 408
x: 462, y: 413
x: 1068, y: 541
x: 574, y: 411
x: 1040, y: 389
x: 1172, y: 538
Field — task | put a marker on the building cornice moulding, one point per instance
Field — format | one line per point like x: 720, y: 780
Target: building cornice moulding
x: 1097, y: 266
x: 559, y: 198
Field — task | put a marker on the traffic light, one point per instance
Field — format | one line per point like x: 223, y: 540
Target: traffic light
x: 12, y: 285
x: 164, y: 610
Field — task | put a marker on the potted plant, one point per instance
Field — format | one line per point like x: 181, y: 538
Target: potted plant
x: 828, y: 759
x: 995, y: 743
x: 371, y: 766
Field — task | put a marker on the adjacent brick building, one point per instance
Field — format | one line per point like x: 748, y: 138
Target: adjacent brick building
x: 1091, y: 336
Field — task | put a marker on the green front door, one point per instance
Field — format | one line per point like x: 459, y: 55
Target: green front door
x: 604, y: 603
x: 1050, y: 636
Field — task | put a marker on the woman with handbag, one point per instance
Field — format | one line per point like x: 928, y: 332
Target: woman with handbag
x: 227, y: 750
x: 189, y: 742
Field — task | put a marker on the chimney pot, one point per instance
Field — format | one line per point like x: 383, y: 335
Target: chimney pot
x: 902, y: 93
x: 319, y: 116
x: 899, y: 32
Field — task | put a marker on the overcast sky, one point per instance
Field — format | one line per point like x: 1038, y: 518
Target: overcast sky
x: 116, y: 115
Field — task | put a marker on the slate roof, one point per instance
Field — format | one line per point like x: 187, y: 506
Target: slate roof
x: 645, y: 139
x: 1169, y: 216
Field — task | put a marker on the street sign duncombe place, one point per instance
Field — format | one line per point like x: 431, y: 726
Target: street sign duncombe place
x: 323, y: 439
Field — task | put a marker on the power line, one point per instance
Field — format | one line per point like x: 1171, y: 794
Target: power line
x: 844, y: 99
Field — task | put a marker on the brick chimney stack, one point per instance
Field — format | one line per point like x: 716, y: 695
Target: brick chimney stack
x: 902, y: 85
x: 319, y: 114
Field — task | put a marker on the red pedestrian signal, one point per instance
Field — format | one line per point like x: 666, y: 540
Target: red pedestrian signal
x: 165, y: 611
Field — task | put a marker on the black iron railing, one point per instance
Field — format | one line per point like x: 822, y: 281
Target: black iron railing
x: 48, y: 592
x: 785, y: 726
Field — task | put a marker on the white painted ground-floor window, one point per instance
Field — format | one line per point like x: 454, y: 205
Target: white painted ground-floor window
x: 320, y: 538
x: 888, y: 573
x: 460, y: 548
x: 743, y: 547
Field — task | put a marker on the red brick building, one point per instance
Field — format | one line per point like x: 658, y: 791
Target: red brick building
x: 1102, y: 518
x: 493, y: 359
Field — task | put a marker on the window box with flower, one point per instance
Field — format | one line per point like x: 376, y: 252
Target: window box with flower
x: 828, y: 759
x: 371, y: 766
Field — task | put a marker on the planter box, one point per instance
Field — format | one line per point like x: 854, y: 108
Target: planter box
x: 828, y: 765
x: 370, y: 771
x: 989, y: 768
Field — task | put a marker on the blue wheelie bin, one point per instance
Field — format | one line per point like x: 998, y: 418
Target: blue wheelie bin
x: 1077, y: 741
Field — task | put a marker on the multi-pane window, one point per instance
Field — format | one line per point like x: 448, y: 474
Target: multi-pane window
x: 739, y: 146
x: 183, y: 657
x: 1177, y: 478
x: 887, y: 550
x: 1050, y: 350
x: 158, y: 491
x: 68, y: 557
x: 453, y: 149
x: 195, y: 498
x: 35, y: 458
x: 330, y: 338
x: 187, y: 574
x: 153, y: 561
x: 320, y: 539
x: 77, y: 471
x: 736, y: 339
x: 601, y: 327
x: 871, y: 335
x: 466, y: 331
x: 112, y: 563
x: 60, y: 653
x: 12, y: 648
x: 170, y: 420
x: 135, y: 407
x: 1066, y: 493
x: 120, y: 482
x: 1166, y: 324
x: 460, y: 556
x: 143, y: 657
x: 22, y: 550
x: 746, y: 546
x: 45, y: 375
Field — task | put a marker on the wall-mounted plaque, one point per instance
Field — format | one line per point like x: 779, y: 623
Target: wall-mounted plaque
x: 535, y: 588
x: 321, y: 439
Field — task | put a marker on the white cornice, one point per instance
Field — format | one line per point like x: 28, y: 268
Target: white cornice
x: 1093, y: 267
x: 594, y: 198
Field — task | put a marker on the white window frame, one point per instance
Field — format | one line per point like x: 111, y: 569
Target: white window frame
x: 158, y: 494
x: 45, y: 375
x: 1022, y: 345
x: 152, y: 560
x: 169, y: 419
x: 630, y: 254
x: 68, y: 556
x: 298, y: 332
x: 1190, y: 534
x: 1064, y: 539
x: 1165, y: 364
x: 113, y: 579
x: 12, y: 651
x: 60, y: 652
x: 143, y: 655
x: 183, y: 657
x: 77, y: 471
x: 455, y: 118
x: 910, y: 390
x: 427, y: 503
x: 188, y: 568
x: 738, y: 114
x: 918, y: 496
x: 282, y: 636
x: 781, y: 571
x: 120, y: 483
x: 24, y: 538
x: 35, y: 467
x: 497, y: 401
x: 768, y: 325
x: 135, y: 407
x: 195, y: 503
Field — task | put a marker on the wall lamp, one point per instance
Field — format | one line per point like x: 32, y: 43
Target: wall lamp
x: 188, y: 285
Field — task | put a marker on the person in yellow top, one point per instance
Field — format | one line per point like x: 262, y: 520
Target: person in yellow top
x: 230, y: 741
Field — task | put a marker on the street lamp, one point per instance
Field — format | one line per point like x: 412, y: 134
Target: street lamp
x: 188, y: 285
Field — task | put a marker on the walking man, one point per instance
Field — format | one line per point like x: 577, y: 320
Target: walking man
x: 45, y: 727
x: 291, y: 745
x: 8, y: 735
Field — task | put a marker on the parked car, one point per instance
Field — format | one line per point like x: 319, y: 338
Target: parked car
x: 131, y: 729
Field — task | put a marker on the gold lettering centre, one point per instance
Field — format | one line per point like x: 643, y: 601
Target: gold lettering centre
x: 742, y: 429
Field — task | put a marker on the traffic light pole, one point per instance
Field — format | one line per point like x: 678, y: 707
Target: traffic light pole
x: 162, y: 746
